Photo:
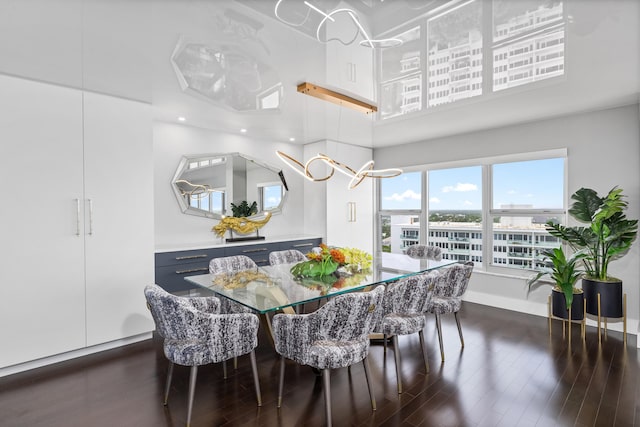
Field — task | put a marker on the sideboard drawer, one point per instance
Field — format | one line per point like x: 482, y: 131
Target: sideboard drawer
x: 171, y: 277
x: 187, y: 257
x: 303, y: 246
x: 258, y: 253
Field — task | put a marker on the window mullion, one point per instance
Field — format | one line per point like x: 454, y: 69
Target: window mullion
x: 487, y: 219
x: 487, y: 46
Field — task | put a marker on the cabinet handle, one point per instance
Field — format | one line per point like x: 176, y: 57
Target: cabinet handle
x: 192, y: 270
x: 246, y: 251
x: 77, y: 217
x: 302, y: 245
x: 179, y: 258
x: 90, y: 217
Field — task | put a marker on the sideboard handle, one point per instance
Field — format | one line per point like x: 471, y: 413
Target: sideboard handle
x: 302, y: 245
x: 192, y: 270
x: 246, y: 251
x: 179, y: 258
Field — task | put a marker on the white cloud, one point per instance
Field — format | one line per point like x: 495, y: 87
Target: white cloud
x: 273, y: 200
x: 512, y: 192
x: 434, y: 200
x: 408, y: 194
x: 460, y: 187
x: 467, y: 203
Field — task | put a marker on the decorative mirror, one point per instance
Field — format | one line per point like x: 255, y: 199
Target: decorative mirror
x: 207, y: 185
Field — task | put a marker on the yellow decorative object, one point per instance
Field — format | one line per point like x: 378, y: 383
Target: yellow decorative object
x: 244, y: 225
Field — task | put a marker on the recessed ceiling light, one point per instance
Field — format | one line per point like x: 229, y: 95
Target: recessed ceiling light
x: 181, y: 119
x: 243, y: 130
x: 292, y: 139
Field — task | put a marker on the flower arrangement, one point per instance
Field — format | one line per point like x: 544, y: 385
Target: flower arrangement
x: 325, y: 261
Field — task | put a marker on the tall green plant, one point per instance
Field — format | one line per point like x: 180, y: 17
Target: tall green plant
x: 562, y: 270
x: 609, y: 233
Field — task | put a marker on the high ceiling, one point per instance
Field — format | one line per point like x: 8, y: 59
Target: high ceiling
x: 153, y: 50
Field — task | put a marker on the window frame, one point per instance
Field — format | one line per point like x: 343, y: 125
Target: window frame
x: 488, y: 212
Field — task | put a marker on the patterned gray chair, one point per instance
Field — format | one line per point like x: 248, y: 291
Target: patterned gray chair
x: 286, y: 257
x: 194, y: 335
x: 334, y: 336
x: 403, y: 313
x: 232, y: 264
x: 447, y: 296
x: 424, y: 252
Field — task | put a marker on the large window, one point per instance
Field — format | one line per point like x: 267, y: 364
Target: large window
x: 400, y: 211
x: 455, y: 212
x: 446, y: 52
x: 492, y: 213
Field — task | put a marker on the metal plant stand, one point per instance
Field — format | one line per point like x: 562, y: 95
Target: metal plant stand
x: 568, y: 321
x: 624, y: 319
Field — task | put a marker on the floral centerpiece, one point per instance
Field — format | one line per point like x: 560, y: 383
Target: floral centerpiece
x: 326, y: 261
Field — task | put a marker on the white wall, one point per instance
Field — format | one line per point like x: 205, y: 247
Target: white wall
x: 604, y: 151
x: 172, y: 141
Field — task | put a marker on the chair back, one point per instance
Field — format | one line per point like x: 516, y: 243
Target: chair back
x: 410, y: 295
x: 454, y: 280
x: 286, y: 257
x: 424, y: 252
x: 231, y: 264
x: 172, y: 315
x: 350, y: 317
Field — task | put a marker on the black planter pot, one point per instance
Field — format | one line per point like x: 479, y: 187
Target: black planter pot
x: 610, y: 297
x: 559, y: 306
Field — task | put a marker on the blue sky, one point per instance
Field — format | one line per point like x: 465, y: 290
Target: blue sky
x: 537, y: 183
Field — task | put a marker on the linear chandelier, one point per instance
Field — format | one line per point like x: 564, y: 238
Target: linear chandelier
x: 336, y: 97
x: 366, y: 171
x: 367, y: 42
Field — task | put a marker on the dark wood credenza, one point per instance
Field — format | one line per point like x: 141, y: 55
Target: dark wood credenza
x: 171, y: 267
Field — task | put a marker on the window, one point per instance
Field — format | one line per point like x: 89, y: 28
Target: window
x: 507, y: 232
x: 399, y: 211
x: 455, y: 210
x: 445, y: 52
x: 210, y: 201
x: 270, y: 196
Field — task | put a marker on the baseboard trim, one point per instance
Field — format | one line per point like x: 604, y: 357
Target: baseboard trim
x: 50, y: 360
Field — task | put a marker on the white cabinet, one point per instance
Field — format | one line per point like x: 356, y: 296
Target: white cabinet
x: 343, y: 216
x: 77, y: 222
x: 42, y: 310
x: 118, y: 164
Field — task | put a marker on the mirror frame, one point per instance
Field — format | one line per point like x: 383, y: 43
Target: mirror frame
x: 184, y: 162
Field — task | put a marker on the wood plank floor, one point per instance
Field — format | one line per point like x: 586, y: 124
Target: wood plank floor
x: 510, y: 373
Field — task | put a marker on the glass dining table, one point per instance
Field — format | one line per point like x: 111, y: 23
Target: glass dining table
x: 274, y: 288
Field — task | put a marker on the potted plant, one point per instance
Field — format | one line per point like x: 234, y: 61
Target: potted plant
x: 567, y: 300
x: 244, y: 209
x: 607, y: 236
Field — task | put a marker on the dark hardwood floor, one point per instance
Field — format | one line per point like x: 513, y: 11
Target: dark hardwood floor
x: 510, y: 373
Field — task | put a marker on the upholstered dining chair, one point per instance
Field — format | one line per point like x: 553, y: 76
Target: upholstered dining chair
x: 449, y: 288
x: 334, y: 336
x: 403, y: 313
x: 232, y: 264
x: 424, y: 252
x: 195, y: 335
x: 286, y: 257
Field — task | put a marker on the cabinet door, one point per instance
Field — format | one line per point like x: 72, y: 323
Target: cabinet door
x: 41, y: 273
x: 119, y: 216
